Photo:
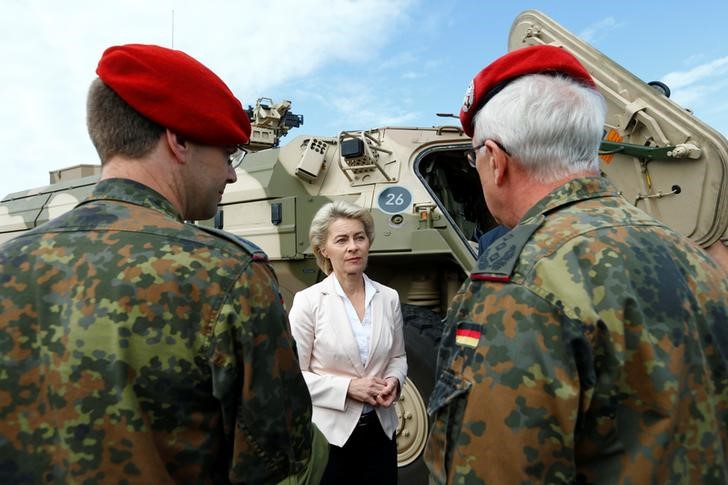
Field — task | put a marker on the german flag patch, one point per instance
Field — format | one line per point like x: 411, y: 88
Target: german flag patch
x: 467, y: 334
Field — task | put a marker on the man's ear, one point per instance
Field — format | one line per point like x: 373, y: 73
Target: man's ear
x: 178, y: 145
x: 498, y: 160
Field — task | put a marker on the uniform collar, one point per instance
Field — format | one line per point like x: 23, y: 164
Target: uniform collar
x: 132, y: 192
x: 500, y: 259
x: 572, y: 191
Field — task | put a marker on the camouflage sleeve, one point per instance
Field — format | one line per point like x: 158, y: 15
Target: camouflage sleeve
x: 256, y: 377
x: 508, y: 386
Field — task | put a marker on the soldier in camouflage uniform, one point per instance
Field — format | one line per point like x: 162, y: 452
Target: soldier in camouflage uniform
x: 589, y: 345
x: 136, y: 348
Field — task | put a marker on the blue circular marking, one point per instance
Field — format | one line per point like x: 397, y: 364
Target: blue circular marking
x: 394, y: 200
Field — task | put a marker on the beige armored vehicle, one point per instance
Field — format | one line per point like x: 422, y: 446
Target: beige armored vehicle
x: 427, y: 202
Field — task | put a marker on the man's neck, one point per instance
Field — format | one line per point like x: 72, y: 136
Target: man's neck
x: 154, y: 171
x: 528, y: 192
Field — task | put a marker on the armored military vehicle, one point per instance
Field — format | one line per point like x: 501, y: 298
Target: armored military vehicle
x: 427, y: 203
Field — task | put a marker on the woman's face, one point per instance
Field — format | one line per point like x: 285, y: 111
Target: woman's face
x: 347, y: 246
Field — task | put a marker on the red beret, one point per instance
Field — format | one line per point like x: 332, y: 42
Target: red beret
x: 176, y: 91
x: 527, y: 60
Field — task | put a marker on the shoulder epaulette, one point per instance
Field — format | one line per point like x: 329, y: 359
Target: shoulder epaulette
x: 255, y: 251
x: 499, y: 260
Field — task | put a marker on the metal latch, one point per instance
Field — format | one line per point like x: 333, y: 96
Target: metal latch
x: 424, y: 211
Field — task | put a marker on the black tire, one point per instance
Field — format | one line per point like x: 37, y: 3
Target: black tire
x: 422, y: 331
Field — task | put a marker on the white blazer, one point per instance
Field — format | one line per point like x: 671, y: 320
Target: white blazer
x: 329, y: 355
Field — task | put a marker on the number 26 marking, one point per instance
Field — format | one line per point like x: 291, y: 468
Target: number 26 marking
x: 394, y: 199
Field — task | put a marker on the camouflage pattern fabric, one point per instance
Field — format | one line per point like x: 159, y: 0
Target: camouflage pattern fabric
x: 589, y: 346
x: 135, y: 348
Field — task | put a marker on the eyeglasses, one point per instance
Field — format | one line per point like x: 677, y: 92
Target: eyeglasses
x: 472, y: 153
x: 235, y: 158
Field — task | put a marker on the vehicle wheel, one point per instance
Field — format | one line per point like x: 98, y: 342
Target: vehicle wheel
x: 422, y: 329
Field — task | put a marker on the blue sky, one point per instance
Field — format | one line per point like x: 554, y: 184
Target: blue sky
x: 346, y: 65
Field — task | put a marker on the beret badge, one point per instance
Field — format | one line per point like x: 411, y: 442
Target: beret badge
x: 469, y: 95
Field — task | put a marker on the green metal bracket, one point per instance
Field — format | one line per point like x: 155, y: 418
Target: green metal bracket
x: 640, y: 151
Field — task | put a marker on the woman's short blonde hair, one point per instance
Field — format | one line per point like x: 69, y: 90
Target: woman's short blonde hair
x: 321, y: 222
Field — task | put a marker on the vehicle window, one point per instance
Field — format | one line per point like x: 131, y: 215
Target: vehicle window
x: 456, y: 186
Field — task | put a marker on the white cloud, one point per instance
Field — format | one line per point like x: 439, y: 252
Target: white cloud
x: 694, y: 59
x: 599, y: 30
x: 689, y: 97
x: 702, y: 97
x: 701, y: 89
x: 282, y: 40
x: 356, y: 105
x: 49, y: 55
x: 397, y: 120
x: 680, y: 79
x: 399, y: 60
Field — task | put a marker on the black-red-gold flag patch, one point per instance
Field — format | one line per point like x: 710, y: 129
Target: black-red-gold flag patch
x: 467, y: 334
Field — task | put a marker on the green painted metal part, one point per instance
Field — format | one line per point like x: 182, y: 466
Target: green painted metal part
x: 637, y: 151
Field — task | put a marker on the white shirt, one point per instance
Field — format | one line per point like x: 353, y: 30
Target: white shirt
x: 362, y: 329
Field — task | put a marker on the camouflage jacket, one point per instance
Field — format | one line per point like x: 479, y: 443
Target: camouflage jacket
x: 135, y: 348
x: 589, y: 346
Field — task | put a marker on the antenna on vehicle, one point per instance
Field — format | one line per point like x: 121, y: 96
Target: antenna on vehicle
x: 172, y: 28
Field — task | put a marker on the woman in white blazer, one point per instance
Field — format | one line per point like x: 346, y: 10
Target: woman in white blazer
x: 348, y: 331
